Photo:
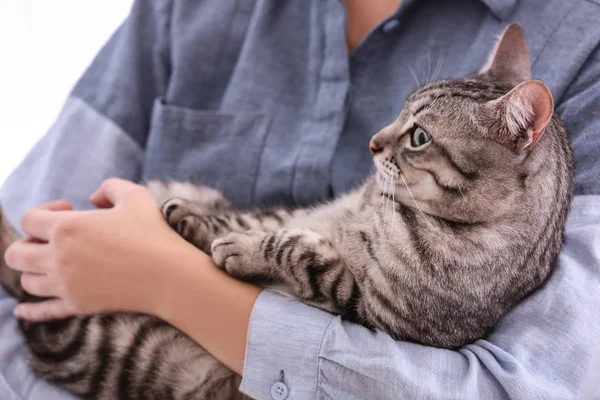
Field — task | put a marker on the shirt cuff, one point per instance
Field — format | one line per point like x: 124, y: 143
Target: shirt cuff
x: 284, y: 335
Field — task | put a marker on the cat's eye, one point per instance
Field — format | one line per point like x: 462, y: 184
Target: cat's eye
x: 420, y: 137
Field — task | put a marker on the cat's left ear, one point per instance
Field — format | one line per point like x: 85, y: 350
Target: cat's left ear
x: 509, y: 60
x: 524, y: 113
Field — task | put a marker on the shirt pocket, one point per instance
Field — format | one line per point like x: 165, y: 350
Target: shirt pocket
x: 217, y: 149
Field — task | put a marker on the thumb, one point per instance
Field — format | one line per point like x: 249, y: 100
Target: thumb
x: 111, y: 192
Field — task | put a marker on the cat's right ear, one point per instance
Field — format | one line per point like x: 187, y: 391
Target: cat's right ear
x: 524, y: 113
x: 509, y: 60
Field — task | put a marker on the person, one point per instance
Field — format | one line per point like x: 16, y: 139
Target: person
x: 274, y: 102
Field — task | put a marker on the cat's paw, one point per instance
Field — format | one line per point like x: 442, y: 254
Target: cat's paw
x: 181, y: 215
x: 238, y: 254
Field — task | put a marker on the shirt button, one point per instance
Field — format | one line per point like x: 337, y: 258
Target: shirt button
x: 279, y: 391
x: 390, y: 25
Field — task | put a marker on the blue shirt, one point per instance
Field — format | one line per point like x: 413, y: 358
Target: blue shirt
x: 260, y: 100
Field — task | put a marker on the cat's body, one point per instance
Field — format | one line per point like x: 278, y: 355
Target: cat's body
x: 463, y: 219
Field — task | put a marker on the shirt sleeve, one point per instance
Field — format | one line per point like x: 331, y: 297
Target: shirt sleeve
x: 102, y: 127
x: 543, y: 349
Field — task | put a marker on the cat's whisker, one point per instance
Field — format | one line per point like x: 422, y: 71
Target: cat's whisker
x: 387, y: 197
x: 393, y: 201
x: 384, y: 185
x: 434, y: 101
x: 414, y: 76
x: 385, y: 201
x: 391, y: 190
x: 385, y: 205
x: 438, y: 68
x: 428, y: 66
x: 382, y: 197
x: 425, y: 74
x: 414, y: 201
x: 435, y: 70
x: 461, y: 192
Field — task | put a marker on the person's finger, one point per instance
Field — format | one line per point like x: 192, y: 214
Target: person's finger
x: 39, y: 222
x: 111, y: 192
x: 44, y: 310
x: 27, y: 256
x: 38, y: 285
x: 56, y: 205
x: 99, y: 200
x: 29, y: 239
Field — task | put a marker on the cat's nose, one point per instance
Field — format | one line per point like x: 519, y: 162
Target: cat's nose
x: 375, y: 147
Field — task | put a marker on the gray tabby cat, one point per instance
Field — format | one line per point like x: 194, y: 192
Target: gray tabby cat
x: 463, y: 218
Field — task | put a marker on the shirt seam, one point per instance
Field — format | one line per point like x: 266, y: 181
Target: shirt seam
x: 248, y: 337
x: 293, y: 190
x: 168, y: 46
x: 596, y: 2
x: 117, y: 127
x: 234, y: 13
x: 554, y: 30
x: 319, y: 358
x: 11, y: 390
x: 345, y: 367
x: 323, y: 392
x: 267, y: 121
x: 583, y: 66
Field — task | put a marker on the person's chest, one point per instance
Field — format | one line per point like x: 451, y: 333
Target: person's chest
x: 265, y: 104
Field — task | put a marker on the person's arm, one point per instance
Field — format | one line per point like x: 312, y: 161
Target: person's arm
x: 124, y: 257
x: 209, y: 306
x: 101, y: 130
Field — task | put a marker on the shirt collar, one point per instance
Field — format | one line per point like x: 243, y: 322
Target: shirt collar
x: 501, y: 8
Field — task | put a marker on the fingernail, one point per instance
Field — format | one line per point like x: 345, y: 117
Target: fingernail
x: 17, y: 312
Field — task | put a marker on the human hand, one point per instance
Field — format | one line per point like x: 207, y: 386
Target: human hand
x: 117, y: 258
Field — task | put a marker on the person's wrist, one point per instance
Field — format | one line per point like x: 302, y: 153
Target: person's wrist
x: 180, y: 264
x: 202, y: 301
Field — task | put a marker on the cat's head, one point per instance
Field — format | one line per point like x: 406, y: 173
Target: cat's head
x: 458, y: 146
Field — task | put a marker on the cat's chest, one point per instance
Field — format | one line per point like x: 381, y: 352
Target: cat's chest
x: 372, y: 240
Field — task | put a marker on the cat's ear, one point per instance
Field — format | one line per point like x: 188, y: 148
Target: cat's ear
x: 524, y: 113
x: 509, y: 60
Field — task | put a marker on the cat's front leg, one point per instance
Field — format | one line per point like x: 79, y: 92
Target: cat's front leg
x: 201, y: 226
x: 191, y: 222
x: 302, y: 261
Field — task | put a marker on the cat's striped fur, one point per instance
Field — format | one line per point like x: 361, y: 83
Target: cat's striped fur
x: 125, y: 356
x: 435, y: 248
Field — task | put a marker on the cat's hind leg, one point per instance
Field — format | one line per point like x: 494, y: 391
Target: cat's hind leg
x: 9, y: 278
x: 207, y: 199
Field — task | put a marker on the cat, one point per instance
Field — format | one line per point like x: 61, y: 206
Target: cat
x: 463, y: 218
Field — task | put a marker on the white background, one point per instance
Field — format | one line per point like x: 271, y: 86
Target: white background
x: 45, y: 45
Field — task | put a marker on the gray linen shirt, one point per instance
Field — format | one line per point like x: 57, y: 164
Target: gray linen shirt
x: 260, y: 99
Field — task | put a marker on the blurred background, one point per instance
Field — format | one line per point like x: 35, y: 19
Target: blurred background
x: 45, y: 45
